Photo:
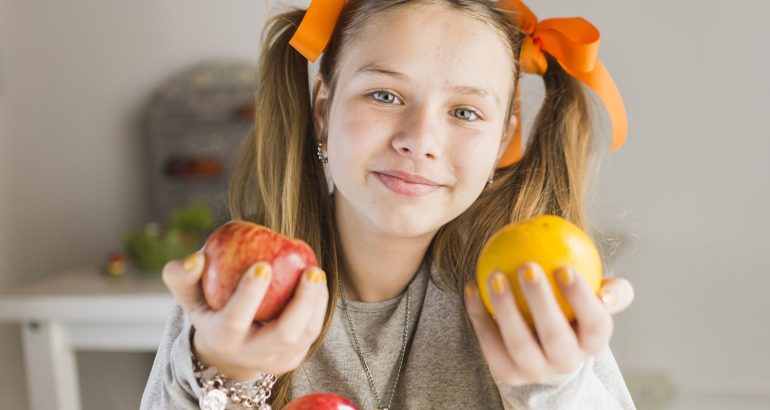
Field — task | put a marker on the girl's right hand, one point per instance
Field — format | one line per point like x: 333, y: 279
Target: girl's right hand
x: 229, y: 339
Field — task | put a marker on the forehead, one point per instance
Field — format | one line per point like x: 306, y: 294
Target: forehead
x: 432, y: 45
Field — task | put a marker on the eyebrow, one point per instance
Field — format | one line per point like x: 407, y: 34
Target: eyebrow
x: 376, y: 69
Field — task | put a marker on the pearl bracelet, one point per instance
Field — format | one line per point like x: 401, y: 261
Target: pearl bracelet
x: 217, y: 389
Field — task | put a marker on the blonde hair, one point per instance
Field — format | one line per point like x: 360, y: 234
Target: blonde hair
x: 278, y: 181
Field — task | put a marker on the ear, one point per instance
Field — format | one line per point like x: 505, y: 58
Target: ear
x: 320, y: 98
x: 506, y: 139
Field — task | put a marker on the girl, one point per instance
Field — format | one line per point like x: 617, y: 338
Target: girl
x: 409, y: 118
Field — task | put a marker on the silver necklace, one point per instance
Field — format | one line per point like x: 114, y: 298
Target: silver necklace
x: 361, y: 356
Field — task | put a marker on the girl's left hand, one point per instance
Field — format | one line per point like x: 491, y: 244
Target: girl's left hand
x: 515, y: 355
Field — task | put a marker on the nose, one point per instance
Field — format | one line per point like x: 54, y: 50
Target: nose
x: 420, y: 136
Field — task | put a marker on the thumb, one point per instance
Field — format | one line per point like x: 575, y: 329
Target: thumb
x: 182, y: 278
x: 616, y: 294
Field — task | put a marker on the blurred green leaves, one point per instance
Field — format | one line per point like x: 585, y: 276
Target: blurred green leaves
x: 153, y: 246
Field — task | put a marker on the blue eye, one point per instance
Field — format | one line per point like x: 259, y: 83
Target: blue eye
x: 389, y: 101
x: 388, y: 98
x: 467, y: 112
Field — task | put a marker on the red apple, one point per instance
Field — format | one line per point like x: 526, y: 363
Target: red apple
x: 235, y: 246
x: 321, y: 401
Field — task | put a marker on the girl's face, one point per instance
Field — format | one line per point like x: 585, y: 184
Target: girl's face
x: 421, y: 90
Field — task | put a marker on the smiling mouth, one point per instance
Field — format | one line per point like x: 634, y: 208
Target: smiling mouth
x: 406, y: 188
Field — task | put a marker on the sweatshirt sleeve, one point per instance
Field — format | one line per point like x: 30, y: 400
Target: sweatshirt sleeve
x: 172, y: 384
x: 596, y: 384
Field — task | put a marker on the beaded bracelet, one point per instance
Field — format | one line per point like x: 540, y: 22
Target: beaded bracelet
x: 217, y: 389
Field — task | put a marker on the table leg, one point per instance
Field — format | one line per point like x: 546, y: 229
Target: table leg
x: 52, y: 377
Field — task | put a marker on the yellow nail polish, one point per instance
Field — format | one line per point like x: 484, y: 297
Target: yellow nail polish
x: 262, y: 272
x: 315, y: 275
x: 498, y: 284
x: 607, y: 296
x: 191, y: 262
x: 311, y: 275
x: 531, y: 274
x: 323, y: 277
x: 565, y: 276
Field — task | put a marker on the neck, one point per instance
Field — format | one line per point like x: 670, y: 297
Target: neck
x: 376, y: 266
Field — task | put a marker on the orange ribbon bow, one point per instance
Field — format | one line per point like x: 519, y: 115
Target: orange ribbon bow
x: 573, y: 42
x: 316, y: 28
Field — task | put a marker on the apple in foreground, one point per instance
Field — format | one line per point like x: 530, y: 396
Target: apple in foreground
x: 235, y: 246
x: 321, y: 401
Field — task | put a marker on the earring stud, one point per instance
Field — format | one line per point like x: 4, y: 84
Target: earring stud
x: 320, y: 153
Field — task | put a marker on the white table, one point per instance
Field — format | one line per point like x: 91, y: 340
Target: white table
x: 81, y: 309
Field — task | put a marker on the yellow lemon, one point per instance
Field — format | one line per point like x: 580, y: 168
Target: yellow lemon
x: 550, y: 241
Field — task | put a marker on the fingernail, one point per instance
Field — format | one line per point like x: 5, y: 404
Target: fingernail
x: 262, y: 272
x: 530, y: 274
x: 191, y: 262
x: 607, y: 296
x: 498, y: 283
x: 565, y: 276
x: 316, y: 275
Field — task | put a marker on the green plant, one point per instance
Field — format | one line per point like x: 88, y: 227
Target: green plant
x: 153, y: 246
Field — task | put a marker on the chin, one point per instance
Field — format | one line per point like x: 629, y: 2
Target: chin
x: 393, y: 217
x: 399, y: 224
x: 404, y: 231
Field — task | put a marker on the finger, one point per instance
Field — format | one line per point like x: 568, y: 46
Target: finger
x: 594, y: 322
x: 237, y: 316
x: 289, y: 327
x: 616, y: 294
x: 556, y: 335
x: 297, y: 360
x: 517, y: 337
x: 500, y: 363
x: 182, y: 278
x: 286, y: 365
x: 314, y: 327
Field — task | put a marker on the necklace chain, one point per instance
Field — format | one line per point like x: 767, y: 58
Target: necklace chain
x: 361, y: 355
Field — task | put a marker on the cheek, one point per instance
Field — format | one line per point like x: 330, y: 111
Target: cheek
x: 357, y: 134
x: 355, y: 137
x: 473, y: 159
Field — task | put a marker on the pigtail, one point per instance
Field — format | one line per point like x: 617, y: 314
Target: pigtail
x: 551, y: 177
x: 280, y: 145
x: 277, y: 181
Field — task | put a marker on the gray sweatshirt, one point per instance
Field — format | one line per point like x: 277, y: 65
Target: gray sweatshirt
x: 443, y: 366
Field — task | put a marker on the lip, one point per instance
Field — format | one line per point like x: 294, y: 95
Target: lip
x: 412, y: 178
x: 404, y: 187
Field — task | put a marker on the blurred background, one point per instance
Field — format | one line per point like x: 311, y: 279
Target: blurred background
x: 118, y: 121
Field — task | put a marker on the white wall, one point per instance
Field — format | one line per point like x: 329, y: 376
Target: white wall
x: 5, y: 142
x: 692, y: 189
x: 688, y: 190
x: 11, y: 370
